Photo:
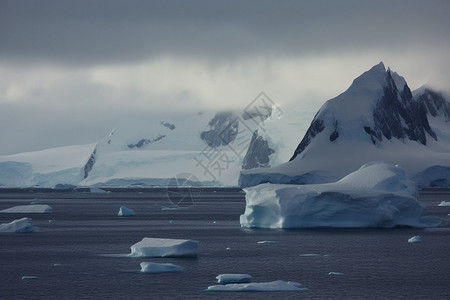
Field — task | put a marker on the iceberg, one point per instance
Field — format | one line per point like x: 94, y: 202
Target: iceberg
x: 151, y: 267
x: 28, y: 209
x: 156, y: 247
x: 125, y: 212
x: 415, y: 239
x: 444, y: 203
x: 378, y: 195
x: 233, y: 278
x: 273, y: 286
x: 20, y: 225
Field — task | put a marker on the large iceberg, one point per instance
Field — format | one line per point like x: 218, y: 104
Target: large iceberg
x: 378, y: 195
x: 155, y: 247
x: 28, y: 209
x: 20, y: 225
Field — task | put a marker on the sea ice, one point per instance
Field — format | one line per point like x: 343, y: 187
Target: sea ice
x: 415, y: 239
x: 98, y: 191
x: 125, y: 212
x: 377, y: 195
x: 233, y: 278
x: 151, y: 267
x: 336, y: 273
x: 444, y: 203
x: 156, y: 247
x: 273, y: 286
x: 20, y: 225
x: 28, y: 209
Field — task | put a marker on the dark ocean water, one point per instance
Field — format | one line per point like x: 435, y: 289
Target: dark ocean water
x: 71, y: 255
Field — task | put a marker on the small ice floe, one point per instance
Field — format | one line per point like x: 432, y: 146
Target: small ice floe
x: 151, y: 267
x: 267, y: 242
x: 125, y: 212
x: 98, y: 191
x: 28, y: 209
x: 444, y: 203
x: 170, y: 208
x: 20, y: 225
x: 415, y: 239
x: 273, y: 286
x: 233, y: 278
x: 336, y: 273
x: 29, y: 277
x: 156, y: 247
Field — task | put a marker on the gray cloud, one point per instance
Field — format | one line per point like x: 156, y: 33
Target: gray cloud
x: 99, y: 31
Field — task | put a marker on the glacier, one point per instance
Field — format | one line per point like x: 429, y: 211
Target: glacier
x: 159, y: 247
x: 378, y: 195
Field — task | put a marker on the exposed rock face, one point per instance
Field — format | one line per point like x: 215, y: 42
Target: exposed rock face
x: 168, y: 125
x: 315, y: 128
x: 435, y: 104
x: 144, y: 142
x: 224, y: 129
x: 398, y: 116
x: 258, y: 153
x: 90, y: 164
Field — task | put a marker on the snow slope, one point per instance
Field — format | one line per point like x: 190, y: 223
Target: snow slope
x: 376, y: 119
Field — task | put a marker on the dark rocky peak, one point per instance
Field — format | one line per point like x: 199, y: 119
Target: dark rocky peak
x: 223, y: 130
x: 435, y: 103
x: 317, y: 126
x: 143, y: 142
x: 258, y: 153
x: 397, y: 115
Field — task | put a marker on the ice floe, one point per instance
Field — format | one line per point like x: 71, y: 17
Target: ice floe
x: 415, y: 239
x: 158, y: 247
x: 444, y: 203
x: 20, y: 225
x: 233, y: 278
x: 273, y: 286
x: 28, y: 209
x: 378, y: 195
x: 151, y: 267
x: 125, y: 212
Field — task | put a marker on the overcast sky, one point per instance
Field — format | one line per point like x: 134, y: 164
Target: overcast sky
x: 70, y: 70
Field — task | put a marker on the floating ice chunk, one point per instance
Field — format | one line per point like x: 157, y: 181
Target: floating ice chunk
x: 444, y: 203
x: 98, y: 191
x: 377, y: 195
x: 155, y: 247
x: 28, y: 209
x: 267, y: 242
x: 233, y: 278
x: 415, y: 239
x: 151, y: 267
x: 125, y: 212
x: 273, y: 286
x: 20, y: 225
x: 336, y: 273
x: 29, y: 277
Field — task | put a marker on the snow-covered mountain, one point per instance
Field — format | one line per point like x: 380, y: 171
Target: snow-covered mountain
x: 376, y: 119
x: 207, y: 147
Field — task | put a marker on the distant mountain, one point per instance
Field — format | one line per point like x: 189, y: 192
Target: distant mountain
x: 377, y: 118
